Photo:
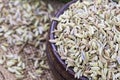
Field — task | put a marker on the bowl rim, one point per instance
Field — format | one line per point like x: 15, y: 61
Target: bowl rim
x: 51, y: 36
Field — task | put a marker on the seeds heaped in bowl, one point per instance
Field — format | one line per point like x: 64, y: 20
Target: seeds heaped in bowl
x: 87, y: 38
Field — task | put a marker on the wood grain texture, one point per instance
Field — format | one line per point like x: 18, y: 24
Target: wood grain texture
x: 5, y: 75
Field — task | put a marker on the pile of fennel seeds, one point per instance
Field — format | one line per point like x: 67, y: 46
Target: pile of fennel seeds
x: 23, y: 30
x: 88, y: 39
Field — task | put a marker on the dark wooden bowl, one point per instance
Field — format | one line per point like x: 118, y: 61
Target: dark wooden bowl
x: 56, y: 64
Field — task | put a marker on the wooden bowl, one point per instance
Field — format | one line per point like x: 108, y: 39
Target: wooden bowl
x: 57, y: 65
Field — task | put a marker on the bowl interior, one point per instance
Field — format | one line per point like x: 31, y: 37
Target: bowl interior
x: 51, y: 36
